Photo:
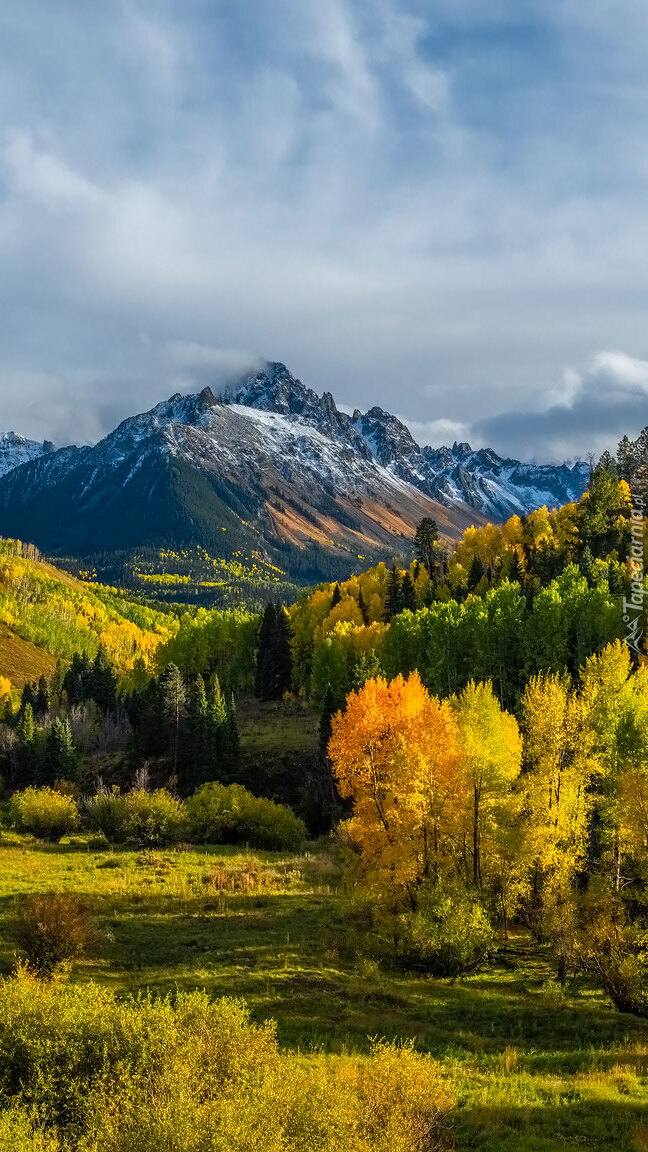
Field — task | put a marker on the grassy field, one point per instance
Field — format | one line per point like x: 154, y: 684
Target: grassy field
x: 534, y: 1071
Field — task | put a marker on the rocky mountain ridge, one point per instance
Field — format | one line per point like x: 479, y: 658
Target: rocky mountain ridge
x: 268, y: 467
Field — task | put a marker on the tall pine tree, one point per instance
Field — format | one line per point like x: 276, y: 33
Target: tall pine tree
x: 363, y: 607
x: 195, y: 750
x: 394, y: 594
x: 274, y: 657
x: 61, y: 761
x: 262, y: 682
x: 102, y: 683
x: 25, y: 748
x: 172, y: 701
x: 42, y: 701
x: 408, y: 598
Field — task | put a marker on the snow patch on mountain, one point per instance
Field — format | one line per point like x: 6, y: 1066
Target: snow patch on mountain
x: 16, y: 450
x: 459, y: 476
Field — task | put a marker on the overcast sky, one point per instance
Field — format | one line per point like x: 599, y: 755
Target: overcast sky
x: 438, y: 206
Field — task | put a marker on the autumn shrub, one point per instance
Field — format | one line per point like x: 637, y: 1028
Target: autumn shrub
x: 52, y: 929
x: 610, y: 948
x: 449, y: 933
x: 153, y: 819
x: 394, y: 1100
x: 44, y: 812
x: 108, y: 813
x: 19, y: 1134
x: 229, y: 814
x: 196, y: 1075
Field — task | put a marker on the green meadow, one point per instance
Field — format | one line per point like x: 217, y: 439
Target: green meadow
x: 534, y: 1070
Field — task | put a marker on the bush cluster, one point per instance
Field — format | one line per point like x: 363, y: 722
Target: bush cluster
x: 214, y: 814
x: 220, y: 814
x: 449, y: 933
x: 149, y: 819
x: 52, y: 928
x: 44, y: 812
x: 196, y: 1076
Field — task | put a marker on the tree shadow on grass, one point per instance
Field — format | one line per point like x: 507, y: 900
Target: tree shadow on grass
x: 599, y: 1125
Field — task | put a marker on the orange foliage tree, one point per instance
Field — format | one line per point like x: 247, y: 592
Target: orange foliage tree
x: 394, y: 752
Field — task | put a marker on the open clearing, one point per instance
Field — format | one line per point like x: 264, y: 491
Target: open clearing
x: 533, y: 1070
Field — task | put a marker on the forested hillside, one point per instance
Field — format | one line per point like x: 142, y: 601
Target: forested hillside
x: 49, y: 611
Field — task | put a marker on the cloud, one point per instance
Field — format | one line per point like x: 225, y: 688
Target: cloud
x: 430, y: 208
x: 595, y: 409
x: 437, y: 432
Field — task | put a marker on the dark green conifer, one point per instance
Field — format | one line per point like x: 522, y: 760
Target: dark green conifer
x: 232, y: 739
x: 363, y: 608
x: 102, y: 683
x: 42, y: 701
x: 263, y: 678
x: 476, y: 573
x: 426, y: 542
x: 61, y: 762
x: 26, y: 747
x: 172, y: 701
x: 408, y: 599
x: 76, y: 682
x: 282, y: 655
x: 394, y: 594
x: 195, y: 752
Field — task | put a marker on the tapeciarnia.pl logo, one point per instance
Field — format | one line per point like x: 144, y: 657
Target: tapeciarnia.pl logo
x: 633, y: 605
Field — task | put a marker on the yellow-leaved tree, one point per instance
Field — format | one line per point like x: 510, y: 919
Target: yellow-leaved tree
x: 615, y: 700
x: 394, y: 753
x: 490, y: 759
x: 556, y: 785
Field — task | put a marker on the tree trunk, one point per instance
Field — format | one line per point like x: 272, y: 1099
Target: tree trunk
x: 476, y: 845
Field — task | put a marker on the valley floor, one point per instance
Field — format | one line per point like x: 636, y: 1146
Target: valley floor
x: 534, y: 1071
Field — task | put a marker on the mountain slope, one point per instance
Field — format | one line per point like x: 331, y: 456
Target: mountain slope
x: 232, y: 477
x: 45, y: 614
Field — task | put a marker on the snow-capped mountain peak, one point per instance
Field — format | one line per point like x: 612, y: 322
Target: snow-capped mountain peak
x: 16, y: 450
x: 268, y: 465
x: 459, y: 476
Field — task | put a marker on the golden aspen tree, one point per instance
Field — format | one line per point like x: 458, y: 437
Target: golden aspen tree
x: 490, y: 758
x: 394, y: 753
x: 556, y: 783
x: 615, y: 702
